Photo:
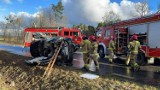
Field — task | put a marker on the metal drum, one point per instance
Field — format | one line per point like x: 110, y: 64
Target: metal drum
x: 78, y: 60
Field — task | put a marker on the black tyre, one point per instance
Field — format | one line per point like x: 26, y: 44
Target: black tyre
x: 101, y: 52
x: 70, y: 51
x: 141, y: 59
x: 34, y: 49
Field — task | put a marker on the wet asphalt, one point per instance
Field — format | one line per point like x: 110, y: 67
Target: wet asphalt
x: 146, y: 74
x: 149, y: 74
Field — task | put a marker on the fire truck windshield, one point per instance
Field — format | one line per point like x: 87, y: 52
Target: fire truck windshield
x: 99, y: 33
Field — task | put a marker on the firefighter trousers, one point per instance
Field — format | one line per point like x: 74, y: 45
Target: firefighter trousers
x: 111, y: 55
x: 133, y: 61
x: 86, y: 60
x: 94, y: 57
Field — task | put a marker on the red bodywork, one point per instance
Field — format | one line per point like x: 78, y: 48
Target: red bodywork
x: 104, y: 38
x: 63, y: 32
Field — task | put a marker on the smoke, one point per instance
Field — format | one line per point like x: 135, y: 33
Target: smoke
x: 92, y: 11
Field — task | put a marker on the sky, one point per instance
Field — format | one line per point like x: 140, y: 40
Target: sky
x: 77, y: 11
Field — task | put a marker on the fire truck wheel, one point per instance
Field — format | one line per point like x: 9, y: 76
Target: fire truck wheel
x: 34, y: 49
x: 141, y: 59
x: 101, y: 52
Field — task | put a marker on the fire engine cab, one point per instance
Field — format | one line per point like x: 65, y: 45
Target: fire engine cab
x: 147, y: 29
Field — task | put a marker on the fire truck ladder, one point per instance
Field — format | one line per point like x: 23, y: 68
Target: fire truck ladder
x: 52, y: 61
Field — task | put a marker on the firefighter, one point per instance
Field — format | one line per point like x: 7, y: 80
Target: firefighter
x: 85, y: 49
x: 111, y: 49
x: 93, y: 52
x: 133, y: 48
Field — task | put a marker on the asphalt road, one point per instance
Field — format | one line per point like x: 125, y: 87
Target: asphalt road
x: 149, y: 74
x: 16, y: 49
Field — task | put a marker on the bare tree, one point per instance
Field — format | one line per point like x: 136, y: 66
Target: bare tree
x: 10, y: 20
x: 111, y: 17
x: 42, y: 20
x: 11, y: 26
x: 18, y: 23
x: 3, y: 30
x: 64, y: 21
x: 142, y: 8
x: 49, y: 16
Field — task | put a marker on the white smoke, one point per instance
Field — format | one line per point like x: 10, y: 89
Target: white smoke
x: 92, y: 11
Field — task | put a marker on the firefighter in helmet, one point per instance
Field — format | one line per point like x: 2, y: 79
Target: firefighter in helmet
x: 85, y: 49
x: 93, y: 52
x: 133, y: 48
x: 111, y: 49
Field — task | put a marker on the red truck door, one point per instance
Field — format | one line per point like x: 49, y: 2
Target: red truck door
x: 107, y: 34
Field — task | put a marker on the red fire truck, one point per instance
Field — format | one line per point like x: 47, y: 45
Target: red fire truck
x: 38, y: 33
x: 147, y: 30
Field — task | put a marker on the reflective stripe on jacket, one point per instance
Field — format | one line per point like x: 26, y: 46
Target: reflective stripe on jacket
x: 111, y: 45
x: 93, y: 48
x: 134, y: 46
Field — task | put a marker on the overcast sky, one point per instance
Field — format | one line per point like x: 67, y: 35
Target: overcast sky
x: 77, y: 11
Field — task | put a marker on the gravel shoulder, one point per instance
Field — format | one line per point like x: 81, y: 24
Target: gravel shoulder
x: 16, y: 75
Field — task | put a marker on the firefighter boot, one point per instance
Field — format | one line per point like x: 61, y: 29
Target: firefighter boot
x: 110, y: 60
x: 97, y: 68
x: 127, y: 61
x: 135, y: 67
x: 85, y: 68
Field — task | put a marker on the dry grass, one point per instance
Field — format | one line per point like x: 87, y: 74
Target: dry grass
x: 11, y: 41
x: 4, y: 85
x: 29, y: 78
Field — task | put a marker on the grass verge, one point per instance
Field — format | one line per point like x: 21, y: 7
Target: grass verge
x: 13, y: 69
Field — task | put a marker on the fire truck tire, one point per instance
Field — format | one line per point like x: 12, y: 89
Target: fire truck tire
x: 141, y: 59
x: 34, y: 49
x: 101, y: 52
